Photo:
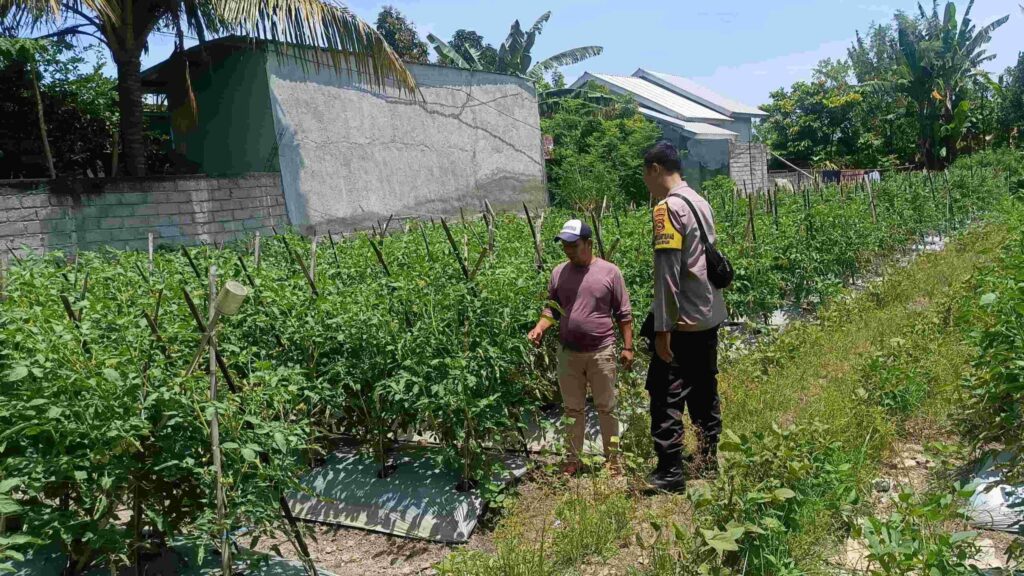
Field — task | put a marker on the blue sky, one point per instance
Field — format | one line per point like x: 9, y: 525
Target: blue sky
x: 741, y: 48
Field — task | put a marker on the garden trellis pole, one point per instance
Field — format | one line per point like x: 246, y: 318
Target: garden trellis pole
x: 538, y: 252
x: 256, y: 250
x: 225, y: 543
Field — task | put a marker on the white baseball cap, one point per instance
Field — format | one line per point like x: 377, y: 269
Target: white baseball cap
x: 573, y: 230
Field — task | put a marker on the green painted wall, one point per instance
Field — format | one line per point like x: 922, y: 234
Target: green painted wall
x: 235, y: 133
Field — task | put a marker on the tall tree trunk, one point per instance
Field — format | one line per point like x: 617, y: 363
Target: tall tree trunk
x: 34, y: 72
x: 129, y: 94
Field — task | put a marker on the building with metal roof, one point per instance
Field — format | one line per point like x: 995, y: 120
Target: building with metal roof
x: 712, y: 131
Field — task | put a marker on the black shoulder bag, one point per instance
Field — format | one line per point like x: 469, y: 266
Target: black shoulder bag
x: 720, y: 272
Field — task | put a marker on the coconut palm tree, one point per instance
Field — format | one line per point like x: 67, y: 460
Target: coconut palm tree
x: 124, y: 26
x: 940, y: 59
x: 515, y: 53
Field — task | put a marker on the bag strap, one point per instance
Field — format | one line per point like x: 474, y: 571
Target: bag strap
x: 696, y: 216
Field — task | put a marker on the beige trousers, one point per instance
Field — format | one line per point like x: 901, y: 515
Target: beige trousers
x: 575, y: 371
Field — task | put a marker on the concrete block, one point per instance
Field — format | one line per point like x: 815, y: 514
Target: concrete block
x: 18, y: 215
x: 191, y: 184
x: 122, y: 234
x: 167, y: 185
x: 202, y: 217
x: 62, y: 225
x: 35, y: 200
x: 8, y: 202
x: 51, y: 213
x: 233, y: 225
x: 96, y: 236
x: 60, y: 238
x: 168, y: 208
x: 220, y: 194
x: 111, y: 223
x: 147, y: 210
x: 134, y: 198
x: 34, y: 227
x: 120, y: 211
x: 12, y: 228
x: 138, y: 222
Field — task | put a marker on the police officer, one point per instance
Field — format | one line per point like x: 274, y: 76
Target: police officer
x: 686, y: 313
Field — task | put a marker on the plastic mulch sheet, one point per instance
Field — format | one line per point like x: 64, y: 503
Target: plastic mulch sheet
x: 418, y: 500
x: 996, y: 505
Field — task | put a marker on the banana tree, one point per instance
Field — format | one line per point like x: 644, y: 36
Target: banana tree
x: 27, y: 51
x: 124, y: 26
x: 940, y: 58
x: 515, y: 53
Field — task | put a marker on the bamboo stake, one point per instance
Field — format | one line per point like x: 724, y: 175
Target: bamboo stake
x: 201, y: 328
x: 489, y: 221
x: 256, y: 250
x: 597, y: 235
x: 487, y: 206
x: 3, y: 282
x: 245, y: 270
x: 302, y: 265
x: 334, y: 249
x: 426, y: 243
x: 750, y: 216
x: 380, y: 256
x: 455, y: 249
x: 312, y: 259
x: 191, y: 263
x: 13, y: 253
x: 871, y: 200
x: 150, y: 252
x: 538, y: 253
x: 225, y: 544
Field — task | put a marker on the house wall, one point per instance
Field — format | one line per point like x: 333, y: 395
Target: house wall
x: 235, y: 131
x: 349, y: 156
x: 43, y: 216
x: 741, y: 126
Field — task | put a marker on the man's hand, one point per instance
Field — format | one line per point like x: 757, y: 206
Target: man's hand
x: 626, y: 358
x: 535, y: 335
x: 663, y: 346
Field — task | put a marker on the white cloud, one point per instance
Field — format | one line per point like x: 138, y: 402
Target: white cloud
x: 751, y: 82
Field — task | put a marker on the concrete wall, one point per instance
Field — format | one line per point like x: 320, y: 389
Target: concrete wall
x: 235, y: 132
x: 349, y: 156
x: 88, y: 214
x: 741, y: 126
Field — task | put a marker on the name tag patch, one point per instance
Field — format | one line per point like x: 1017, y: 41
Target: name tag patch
x: 666, y: 237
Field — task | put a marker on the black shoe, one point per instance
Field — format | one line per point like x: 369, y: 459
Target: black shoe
x: 672, y: 480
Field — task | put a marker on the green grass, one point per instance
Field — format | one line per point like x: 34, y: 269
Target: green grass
x: 812, y: 413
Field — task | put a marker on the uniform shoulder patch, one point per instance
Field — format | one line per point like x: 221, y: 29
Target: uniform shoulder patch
x: 666, y: 237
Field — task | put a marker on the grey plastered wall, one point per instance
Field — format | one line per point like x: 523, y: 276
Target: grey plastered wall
x: 748, y: 166
x: 349, y: 156
x: 87, y: 214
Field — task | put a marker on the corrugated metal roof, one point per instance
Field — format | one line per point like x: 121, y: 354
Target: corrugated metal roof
x: 695, y: 130
x: 654, y: 96
x: 702, y: 94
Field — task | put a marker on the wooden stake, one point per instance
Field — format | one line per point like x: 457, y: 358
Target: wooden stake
x: 487, y: 206
x: 201, y: 328
x: 380, y: 256
x: 334, y: 249
x: 871, y: 199
x: 302, y: 265
x: 312, y: 259
x: 256, y: 250
x: 750, y: 216
x: 426, y: 244
x: 538, y: 260
x: 150, y: 252
x: 455, y: 249
x: 225, y: 542
x: 191, y: 263
x: 597, y: 235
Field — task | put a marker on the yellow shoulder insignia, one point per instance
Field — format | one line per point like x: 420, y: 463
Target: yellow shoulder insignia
x: 666, y: 237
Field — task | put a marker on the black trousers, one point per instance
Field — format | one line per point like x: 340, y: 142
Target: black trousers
x: 690, y: 381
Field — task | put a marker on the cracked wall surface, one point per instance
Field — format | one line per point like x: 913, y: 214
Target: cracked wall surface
x: 350, y: 157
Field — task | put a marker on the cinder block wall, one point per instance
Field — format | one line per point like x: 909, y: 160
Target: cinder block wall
x: 748, y: 166
x: 87, y: 214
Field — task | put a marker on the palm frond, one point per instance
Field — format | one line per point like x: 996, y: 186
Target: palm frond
x: 446, y: 52
x: 984, y: 35
x: 538, y: 26
x: 566, y: 58
x: 328, y: 33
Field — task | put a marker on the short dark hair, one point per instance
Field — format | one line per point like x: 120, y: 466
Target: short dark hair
x: 663, y: 154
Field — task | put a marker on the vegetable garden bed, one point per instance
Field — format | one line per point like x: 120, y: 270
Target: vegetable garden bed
x: 105, y: 434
